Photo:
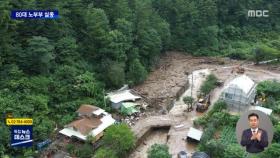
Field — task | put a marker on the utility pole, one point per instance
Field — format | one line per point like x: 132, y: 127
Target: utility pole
x: 192, y: 84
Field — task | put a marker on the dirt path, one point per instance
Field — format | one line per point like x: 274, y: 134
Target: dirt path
x: 196, y: 78
x: 179, y: 121
x: 177, y: 141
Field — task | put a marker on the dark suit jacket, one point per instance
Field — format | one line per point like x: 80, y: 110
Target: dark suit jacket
x: 254, y: 146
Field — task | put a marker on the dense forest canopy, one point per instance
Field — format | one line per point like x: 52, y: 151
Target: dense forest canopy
x: 49, y: 67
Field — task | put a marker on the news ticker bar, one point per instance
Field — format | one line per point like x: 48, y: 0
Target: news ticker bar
x: 19, y: 121
x: 34, y: 14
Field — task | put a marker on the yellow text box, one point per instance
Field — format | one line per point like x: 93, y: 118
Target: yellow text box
x: 19, y: 121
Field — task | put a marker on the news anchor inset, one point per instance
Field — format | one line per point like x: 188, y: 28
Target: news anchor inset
x: 254, y: 138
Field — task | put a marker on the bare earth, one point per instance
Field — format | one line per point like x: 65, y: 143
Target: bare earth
x: 165, y: 81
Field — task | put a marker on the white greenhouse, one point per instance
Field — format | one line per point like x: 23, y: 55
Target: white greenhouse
x: 239, y: 93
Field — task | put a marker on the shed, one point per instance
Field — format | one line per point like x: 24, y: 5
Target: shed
x: 194, y: 134
x: 239, y: 93
x: 199, y: 154
x: 129, y: 108
x: 117, y: 98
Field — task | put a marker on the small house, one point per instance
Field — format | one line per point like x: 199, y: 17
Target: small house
x: 117, y: 98
x: 92, y: 121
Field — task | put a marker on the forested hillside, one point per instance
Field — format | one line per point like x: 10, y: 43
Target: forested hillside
x: 49, y: 67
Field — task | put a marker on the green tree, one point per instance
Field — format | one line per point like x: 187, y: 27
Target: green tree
x: 28, y: 153
x: 38, y: 56
x: 220, y: 118
x: 163, y: 29
x: 264, y: 52
x: 43, y: 127
x: 105, y: 153
x: 207, y: 39
x: 7, y: 31
x: 207, y: 136
x: 136, y: 72
x: 214, y: 148
x: 219, y: 106
x: 65, y: 119
x: 115, y: 75
x: 149, y: 46
x: 269, y: 88
x: 148, y: 38
x: 115, y: 9
x: 276, y: 136
x: 66, y: 50
x: 5, y: 139
x: 97, y: 28
x: 158, y: 151
x: 85, y: 84
x: 119, y: 138
x: 37, y: 103
x: 234, y: 151
x: 70, y: 148
x: 209, y: 84
x: 272, y: 151
x: 117, y: 47
x: 126, y: 28
x: 189, y: 101
x: 84, y: 151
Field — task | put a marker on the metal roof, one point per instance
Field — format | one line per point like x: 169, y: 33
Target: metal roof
x: 242, y: 82
x: 200, y: 155
x: 263, y: 109
x: 194, y: 134
x: 122, y: 96
x: 182, y: 154
x: 98, y: 112
x: 87, y: 109
x: 106, y: 121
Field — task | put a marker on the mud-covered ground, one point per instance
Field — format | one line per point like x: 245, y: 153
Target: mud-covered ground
x: 173, y: 72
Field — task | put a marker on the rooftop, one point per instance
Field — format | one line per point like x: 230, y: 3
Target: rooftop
x: 87, y: 109
x: 122, y: 96
x: 200, y: 155
x: 194, y: 134
x: 89, y: 124
x: 242, y: 82
x: 263, y: 109
x: 85, y: 125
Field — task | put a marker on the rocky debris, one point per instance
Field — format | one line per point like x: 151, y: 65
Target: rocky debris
x: 167, y: 81
x: 132, y: 119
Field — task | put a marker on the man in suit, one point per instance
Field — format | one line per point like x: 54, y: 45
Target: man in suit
x: 255, y: 139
